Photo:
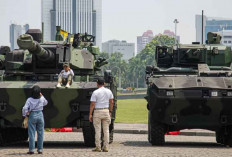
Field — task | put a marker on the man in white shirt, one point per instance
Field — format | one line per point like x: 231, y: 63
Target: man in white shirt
x: 65, y: 76
x: 102, y: 104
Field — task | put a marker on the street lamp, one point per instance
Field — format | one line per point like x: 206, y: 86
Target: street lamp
x: 119, y: 75
x: 176, y: 22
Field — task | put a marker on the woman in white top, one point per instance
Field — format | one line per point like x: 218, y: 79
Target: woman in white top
x: 33, y: 108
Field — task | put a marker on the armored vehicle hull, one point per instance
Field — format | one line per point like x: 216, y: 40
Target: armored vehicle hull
x: 40, y: 64
x: 190, y: 88
x: 67, y: 107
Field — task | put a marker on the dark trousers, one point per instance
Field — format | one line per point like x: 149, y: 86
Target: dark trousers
x: 64, y: 81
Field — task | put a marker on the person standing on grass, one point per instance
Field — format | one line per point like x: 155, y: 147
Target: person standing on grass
x: 33, y: 108
x: 102, y: 105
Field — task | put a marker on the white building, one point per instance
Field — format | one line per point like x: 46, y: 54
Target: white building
x: 112, y: 46
x: 143, y: 40
x: 46, y: 12
x: 226, y: 37
x: 15, y: 32
x: 74, y: 16
x: 211, y: 24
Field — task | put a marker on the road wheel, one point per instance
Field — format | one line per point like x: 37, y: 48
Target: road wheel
x: 111, y: 131
x: 156, y: 132
x: 219, y: 137
x: 149, y: 128
x: 89, y: 135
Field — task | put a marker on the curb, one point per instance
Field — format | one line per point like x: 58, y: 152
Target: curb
x: 181, y: 133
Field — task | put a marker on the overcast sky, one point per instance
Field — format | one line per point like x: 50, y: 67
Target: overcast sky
x: 124, y: 19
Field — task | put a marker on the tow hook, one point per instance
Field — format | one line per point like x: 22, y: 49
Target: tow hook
x: 3, y: 106
x: 174, y: 118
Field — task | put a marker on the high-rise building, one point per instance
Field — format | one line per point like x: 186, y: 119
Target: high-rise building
x: 143, y: 40
x: 226, y: 37
x: 15, y: 32
x: 47, y: 14
x: 170, y: 34
x: 211, y: 24
x: 74, y: 16
x: 97, y: 27
x: 112, y: 46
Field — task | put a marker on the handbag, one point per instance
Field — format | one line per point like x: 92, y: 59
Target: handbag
x: 25, y: 123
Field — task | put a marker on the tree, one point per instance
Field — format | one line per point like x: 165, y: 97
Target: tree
x: 137, y: 65
x: 134, y: 70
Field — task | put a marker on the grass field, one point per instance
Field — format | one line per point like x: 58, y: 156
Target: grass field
x: 132, y: 111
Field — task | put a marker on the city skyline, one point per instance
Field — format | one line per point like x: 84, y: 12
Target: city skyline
x: 122, y: 20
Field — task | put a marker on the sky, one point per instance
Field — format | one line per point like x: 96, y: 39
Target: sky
x: 20, y: 12
x: 124, y: 19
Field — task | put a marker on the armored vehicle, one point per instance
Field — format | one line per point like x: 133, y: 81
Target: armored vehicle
x: 190, y: 87
x: 39, y: 64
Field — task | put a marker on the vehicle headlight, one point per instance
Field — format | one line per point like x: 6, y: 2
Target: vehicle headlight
x: 229, y: 93
x: 170, y: 93
x: 214, y: 93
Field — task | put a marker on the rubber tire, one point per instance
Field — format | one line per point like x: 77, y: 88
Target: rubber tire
x: 111, y: 131
x: 89, y: 135
x: 157, y: 136
x: 219, y: 137
x: 149, y: 128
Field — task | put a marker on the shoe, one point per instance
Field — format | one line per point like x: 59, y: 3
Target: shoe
x: 97, y: 149
x: 40, y: 152
x: 105, y: 149
x: 58, y: 85
x: 67, y: 85
x: 30, y: 153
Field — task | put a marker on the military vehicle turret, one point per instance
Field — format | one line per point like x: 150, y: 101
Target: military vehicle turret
x: 190, y: 87
x: 36, y: 63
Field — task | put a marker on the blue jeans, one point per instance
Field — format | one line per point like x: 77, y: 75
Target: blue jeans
x: 36, y: 123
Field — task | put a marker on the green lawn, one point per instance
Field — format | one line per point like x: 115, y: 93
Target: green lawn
x: 132, y: 111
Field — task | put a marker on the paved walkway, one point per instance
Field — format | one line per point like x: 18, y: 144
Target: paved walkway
x: 124, y: 145
x: 143, y: 129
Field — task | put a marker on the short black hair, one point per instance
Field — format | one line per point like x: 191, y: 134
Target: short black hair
x: 36, y: 92
x: 100, y: 81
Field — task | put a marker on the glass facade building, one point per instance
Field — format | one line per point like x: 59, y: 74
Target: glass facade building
x: 74, y: 16
x: 211, y: 24
x: 15, y: 32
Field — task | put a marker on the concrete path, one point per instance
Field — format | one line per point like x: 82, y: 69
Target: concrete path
x: 143, y: 129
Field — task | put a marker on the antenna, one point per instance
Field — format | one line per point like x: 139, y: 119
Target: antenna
x: 202, y: 33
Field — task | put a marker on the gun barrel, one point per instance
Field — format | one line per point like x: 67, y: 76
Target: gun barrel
x: 26, y: 41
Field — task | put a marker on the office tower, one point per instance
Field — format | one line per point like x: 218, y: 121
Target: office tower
x: 15, y: 32
x: 112, y: 46
x: 211, y: 24
x: 143, y: 40
x: 74, y: 16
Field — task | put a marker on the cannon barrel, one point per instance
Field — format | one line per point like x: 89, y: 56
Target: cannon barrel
x: 26, y: 41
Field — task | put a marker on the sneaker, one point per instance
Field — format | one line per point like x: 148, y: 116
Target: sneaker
x: 30, y: 153
x: 58, y: 85
x: 105, y: 149
x: 67, y: 85
x: 97, y: 149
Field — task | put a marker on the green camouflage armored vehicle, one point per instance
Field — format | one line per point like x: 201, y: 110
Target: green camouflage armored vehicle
x: 39, y: 64
x: 190, y: 87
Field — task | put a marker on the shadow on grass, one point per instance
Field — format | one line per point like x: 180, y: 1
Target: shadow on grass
x: 174, y: 144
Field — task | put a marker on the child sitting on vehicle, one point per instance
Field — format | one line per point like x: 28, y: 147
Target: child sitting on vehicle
x: 65, y: 76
